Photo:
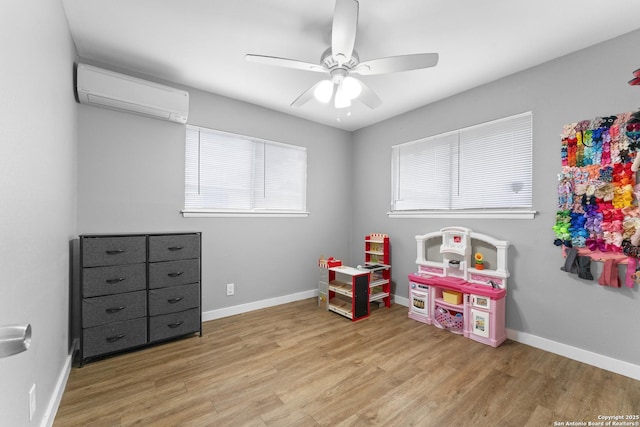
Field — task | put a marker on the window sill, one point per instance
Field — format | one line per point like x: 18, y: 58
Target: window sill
x: 205, y: 213
x: 464, y: 214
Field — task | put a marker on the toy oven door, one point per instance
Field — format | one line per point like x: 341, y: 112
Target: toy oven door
x: 419, y: 295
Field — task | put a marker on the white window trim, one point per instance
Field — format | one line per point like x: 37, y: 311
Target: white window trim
x: 464, y: 214
x: 210, y: 213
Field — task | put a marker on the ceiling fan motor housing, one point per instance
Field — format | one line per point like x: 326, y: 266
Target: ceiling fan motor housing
x: 329, y: 62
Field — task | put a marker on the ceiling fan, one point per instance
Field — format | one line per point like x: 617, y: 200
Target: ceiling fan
x: 341, y: 60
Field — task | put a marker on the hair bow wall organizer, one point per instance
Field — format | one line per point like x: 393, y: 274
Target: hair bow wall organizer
x: 598, y: 214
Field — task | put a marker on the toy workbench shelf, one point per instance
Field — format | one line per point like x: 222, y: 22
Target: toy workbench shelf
x: 377, y: 259
x: 349, y: 291
x: 453, y: 296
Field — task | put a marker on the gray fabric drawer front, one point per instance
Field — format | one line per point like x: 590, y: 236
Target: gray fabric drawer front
x: 173, y: 273
x: 113, y: 280
x: 174, y: 324
x: 174, y: 298
x: 101, y: 251
x: 173, y: 247
x: 113, y: 308
x: 114, y: 337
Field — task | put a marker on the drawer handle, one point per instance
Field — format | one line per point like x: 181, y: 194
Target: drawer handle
x: 175, y: 248
x: 114, y: 309
x: 115, y: 251
x: 174, y: 300
x: 176, y: 274
x: 115, y: 338
x: 175, y: 325
x: 116, y: 280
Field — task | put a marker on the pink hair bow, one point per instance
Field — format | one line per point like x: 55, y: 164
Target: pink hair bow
x: 596, y: 244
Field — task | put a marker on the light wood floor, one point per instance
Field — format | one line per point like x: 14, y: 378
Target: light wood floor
x: 298, y: 365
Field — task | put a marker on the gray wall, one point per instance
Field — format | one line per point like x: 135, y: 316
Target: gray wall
x: 542, y: 300
x: 131, y: 179
x: 37, y: 161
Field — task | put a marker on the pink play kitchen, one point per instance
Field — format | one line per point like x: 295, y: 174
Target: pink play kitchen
x: 461, y: 284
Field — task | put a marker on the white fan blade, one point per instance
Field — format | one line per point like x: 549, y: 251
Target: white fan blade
x: 394, y: 64
x: 305, y: 97
x: 284, y: 62
x: 343, y: 31
x: 369, y: 97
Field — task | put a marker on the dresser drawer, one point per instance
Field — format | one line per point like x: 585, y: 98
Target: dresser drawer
x: 174, y: 298
x: 113, y: 337
x: 113, y: 280
x: 173, y: 273
x: 113, y: 308
x: 101, y: 251
x: 174, y: 324
x: 173, y: 247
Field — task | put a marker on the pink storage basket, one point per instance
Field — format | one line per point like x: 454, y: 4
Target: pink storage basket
x: 449, y: 320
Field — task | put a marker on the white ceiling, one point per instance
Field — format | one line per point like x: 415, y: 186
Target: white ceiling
x: 202, y: 44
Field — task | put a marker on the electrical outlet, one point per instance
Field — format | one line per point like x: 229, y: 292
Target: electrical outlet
x: 230, y: 288
x: 32, y: 401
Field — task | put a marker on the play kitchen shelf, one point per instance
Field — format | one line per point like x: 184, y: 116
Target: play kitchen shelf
x: 452, y: 295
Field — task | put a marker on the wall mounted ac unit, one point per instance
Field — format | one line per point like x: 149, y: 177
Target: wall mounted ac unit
x: 103, y: 88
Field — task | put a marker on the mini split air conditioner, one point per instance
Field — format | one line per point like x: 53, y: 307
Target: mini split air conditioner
x: 104, y: 88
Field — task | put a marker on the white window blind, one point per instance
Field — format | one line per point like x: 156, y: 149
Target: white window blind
x: 424, y: 174
x: 229, y: 173
x: 484, y: 167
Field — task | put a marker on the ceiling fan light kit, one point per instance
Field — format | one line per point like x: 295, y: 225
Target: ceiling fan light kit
x: 340, y: 60
x: 341, y: 99
x: 324, y: 91
x: 351, y: 87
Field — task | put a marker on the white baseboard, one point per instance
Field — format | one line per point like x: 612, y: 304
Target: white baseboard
x: 257, y: 305
x: 590, y: 358
x: 400, y: 300
x: 54, y: 402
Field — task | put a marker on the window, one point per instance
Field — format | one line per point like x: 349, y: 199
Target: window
x: 484, y: 170
x: 233, y: 175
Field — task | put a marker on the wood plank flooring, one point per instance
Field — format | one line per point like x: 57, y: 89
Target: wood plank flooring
x: 298, y: 365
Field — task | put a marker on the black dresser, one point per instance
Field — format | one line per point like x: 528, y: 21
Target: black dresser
x: 133, y: 290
